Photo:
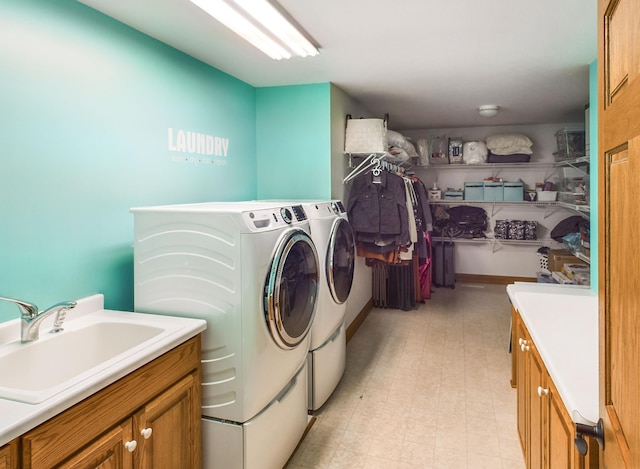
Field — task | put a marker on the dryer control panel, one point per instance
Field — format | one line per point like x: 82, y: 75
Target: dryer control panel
x: 264, y: 219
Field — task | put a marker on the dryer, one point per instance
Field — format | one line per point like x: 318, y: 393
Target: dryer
x: 335, y: 242
x: 251, y: 271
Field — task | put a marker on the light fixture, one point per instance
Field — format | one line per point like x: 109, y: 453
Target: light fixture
x: 488, y: 110
x: 262, y: 24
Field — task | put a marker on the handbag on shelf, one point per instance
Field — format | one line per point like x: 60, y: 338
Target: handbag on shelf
x: 366, y: 135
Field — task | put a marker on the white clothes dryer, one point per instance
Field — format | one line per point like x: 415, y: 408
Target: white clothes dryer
x: 335, y: 242
x: 252, y: 272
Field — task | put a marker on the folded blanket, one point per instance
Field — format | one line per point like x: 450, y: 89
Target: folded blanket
x: 515, y: 158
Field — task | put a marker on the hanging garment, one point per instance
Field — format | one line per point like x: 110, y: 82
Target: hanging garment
x: 426, y: 272
x: 379, y: 208
x: 411, y: 217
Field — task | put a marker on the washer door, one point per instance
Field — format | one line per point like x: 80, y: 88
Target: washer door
x: 340, y: 260
x: 291, y: 288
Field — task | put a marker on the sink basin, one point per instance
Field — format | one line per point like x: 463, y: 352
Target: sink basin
x: 36, y: 371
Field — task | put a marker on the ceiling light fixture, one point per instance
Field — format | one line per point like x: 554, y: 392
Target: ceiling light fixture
x: 488, y: 110
x: 262, y: 24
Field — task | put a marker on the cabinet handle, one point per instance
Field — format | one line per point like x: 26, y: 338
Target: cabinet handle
x: 146, y: 433
x: 543, y: 391
x: 521, y: 341
x: 525, y: 347
x: 131, y: 445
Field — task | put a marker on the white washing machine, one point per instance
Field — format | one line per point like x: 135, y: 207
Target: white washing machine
x: 252, y: 272
x: 335, y: 242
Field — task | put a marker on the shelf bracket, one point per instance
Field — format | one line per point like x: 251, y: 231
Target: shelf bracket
x: 547, y: 212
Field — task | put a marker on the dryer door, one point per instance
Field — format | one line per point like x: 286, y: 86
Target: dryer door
x: 340, y: 260
x: 291, y: 289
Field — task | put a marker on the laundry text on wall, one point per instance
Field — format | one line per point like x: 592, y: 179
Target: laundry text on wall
x: 185, y: 141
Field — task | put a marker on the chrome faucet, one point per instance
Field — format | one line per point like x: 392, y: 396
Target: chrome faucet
x: 31, y: 317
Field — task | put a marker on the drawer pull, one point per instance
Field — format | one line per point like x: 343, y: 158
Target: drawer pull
x: 131, y: 445
x: 525, y: 347
x: 543, y: 391
x: 146, y: 433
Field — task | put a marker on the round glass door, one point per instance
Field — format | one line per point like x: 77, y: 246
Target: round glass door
x: 291, y: 289
x: 340, y: 260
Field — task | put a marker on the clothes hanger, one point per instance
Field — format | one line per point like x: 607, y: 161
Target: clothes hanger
x: 368, y: 162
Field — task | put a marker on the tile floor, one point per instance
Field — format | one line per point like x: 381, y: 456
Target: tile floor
x: 427, y: 388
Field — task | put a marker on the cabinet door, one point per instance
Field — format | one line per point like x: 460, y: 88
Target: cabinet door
x: 537, y: 403
x: 520, y: 351
x: 168, y: 428
x: 9, y: 456
x: 107, y: 452
x: 559, y: 434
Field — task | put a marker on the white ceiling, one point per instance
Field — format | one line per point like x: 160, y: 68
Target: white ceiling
x: 428, y: 63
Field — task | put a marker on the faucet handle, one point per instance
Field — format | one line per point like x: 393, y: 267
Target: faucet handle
x: 28, y: 310
x: 61, y: 314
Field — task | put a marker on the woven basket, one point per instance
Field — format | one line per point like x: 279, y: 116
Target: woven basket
x: 366, y: 136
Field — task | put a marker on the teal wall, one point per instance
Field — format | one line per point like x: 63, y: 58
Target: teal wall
x: 593, y: 165
x: 294, y: 147
x: 87, y: 104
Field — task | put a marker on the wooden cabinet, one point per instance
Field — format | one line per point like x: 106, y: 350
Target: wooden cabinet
x: 148, y: 419
x: 545, y: 428
x: 519, y: 344
x: 9, y: 455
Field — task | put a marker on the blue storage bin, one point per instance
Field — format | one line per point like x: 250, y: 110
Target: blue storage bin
x: 473, y: 191
x: 453, y: 195
x: 493, y: 191
x: 513, y: 191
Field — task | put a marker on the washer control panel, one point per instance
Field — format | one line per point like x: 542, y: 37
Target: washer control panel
x: 269, y: 218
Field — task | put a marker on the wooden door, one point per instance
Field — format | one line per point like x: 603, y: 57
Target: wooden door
x: 168, y: 428
x: 519, y: 351
x: 559, y: 446
x: 9, y: 456
x: 619, y: 220
x: 537, y: 404
x: 107, y: 452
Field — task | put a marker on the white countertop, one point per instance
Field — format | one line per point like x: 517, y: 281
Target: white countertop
x: 563, y: 323
x: 17, y: 418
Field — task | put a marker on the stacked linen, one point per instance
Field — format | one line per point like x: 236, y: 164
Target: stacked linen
x: 509, y: 148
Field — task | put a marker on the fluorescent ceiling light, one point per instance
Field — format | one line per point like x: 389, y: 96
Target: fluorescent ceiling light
x: 262, y: 24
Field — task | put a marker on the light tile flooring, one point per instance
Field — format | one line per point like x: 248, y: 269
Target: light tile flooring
x: 427, y: 388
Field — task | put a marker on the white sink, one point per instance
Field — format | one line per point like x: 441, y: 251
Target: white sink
x: 96, y: 348
x: 37, y: 370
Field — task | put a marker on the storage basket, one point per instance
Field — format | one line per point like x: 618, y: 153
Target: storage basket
x: 366, y: 135
x: 473, y: 191
x: 544, y: 262
x: 493, y: 191
x: 547, y: 196
x: 571, y: 142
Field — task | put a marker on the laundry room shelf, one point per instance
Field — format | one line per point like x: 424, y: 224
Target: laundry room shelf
x: 492, y: 202
x: 497, y: 244
x: 471, y: 167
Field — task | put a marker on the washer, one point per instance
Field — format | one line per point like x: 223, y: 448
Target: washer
x: 334, y: 239
x: 252, y: 272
